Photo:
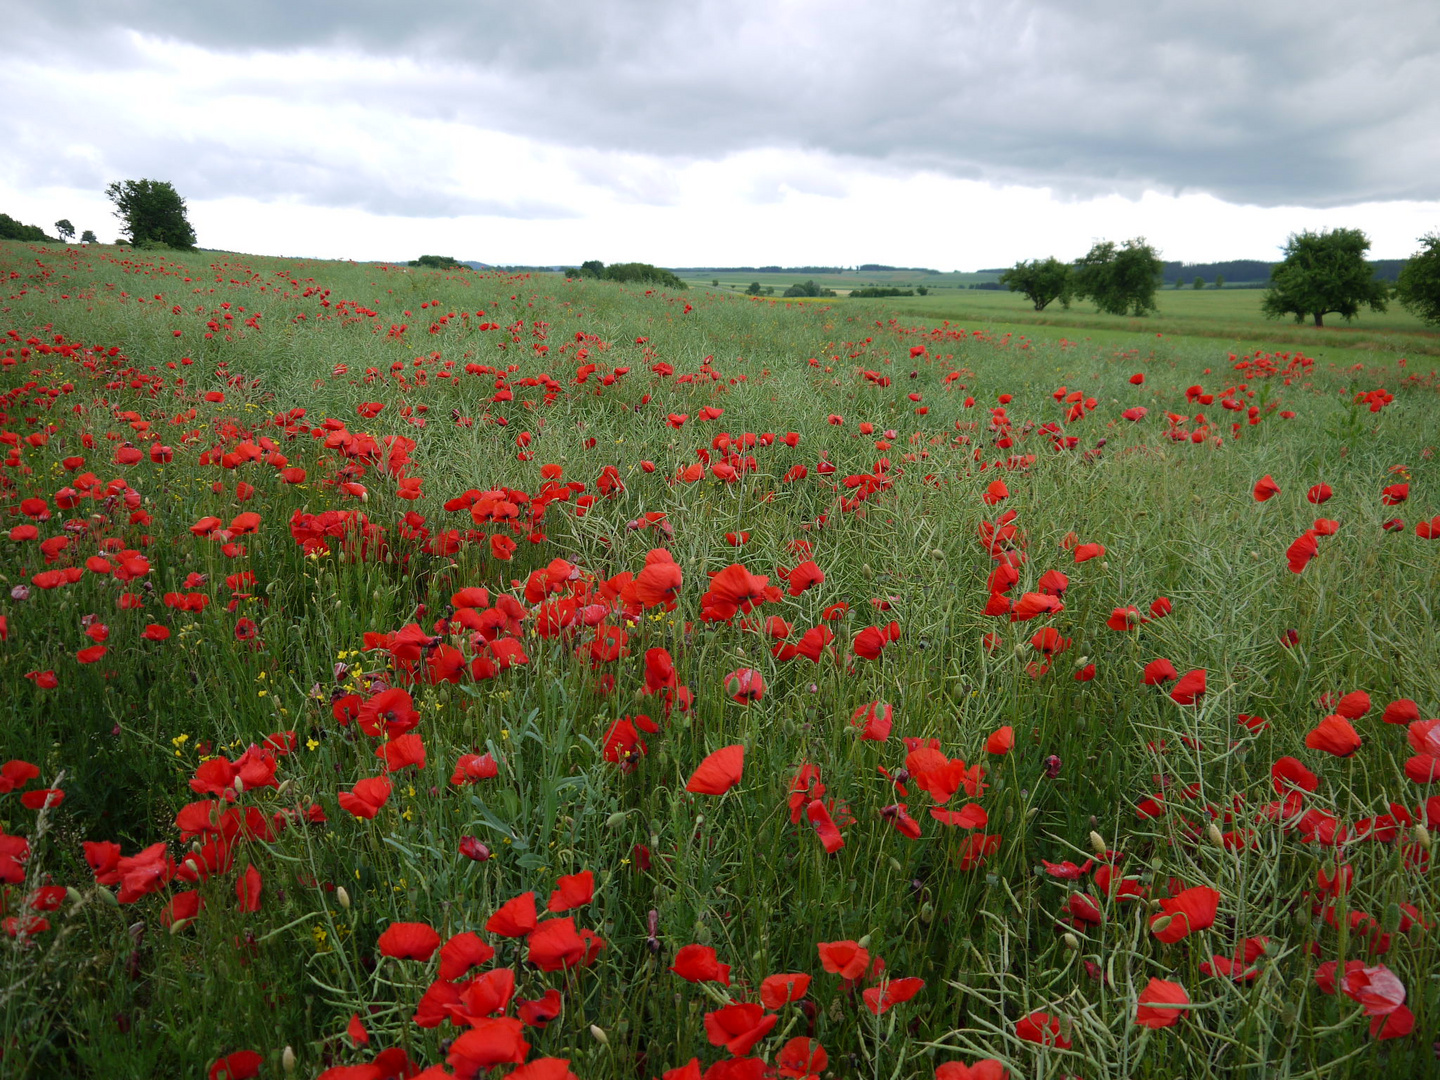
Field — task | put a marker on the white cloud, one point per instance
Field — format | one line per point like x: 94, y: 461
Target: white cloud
x: 942, y: 134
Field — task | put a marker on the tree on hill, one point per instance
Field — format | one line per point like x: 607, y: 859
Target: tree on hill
x: 809, y: 288
x: 153, y: 213
x: 1322, y: 273
x: 10, y: 229
x: 64, y: 229
x: 1418, y: 286
x: 633, y: 273
x: 89, y: 237
x: 1041, y: 282
x: 437, y: 262
x: 1119, y: 280
x: 753, y: 289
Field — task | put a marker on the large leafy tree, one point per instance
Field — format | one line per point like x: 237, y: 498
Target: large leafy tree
x: 64, y: 229
x: 1419, y: 285
x: 1041, y: 282
x: 1122, y: 279
x: 1324, y: 273
x: 153, y: 213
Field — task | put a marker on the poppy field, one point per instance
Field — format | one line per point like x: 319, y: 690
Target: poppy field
x: 428, y: 674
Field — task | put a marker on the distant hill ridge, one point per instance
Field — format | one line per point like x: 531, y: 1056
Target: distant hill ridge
x: 1237, y: 271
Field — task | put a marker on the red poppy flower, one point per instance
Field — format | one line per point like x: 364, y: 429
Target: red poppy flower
x: 745, y: 685
x: 470, y: 768
x: 572, y: 891
x: 1086, y: 552
x: 1158, y: 672
x: 875, y: 721
x: 402, y: 751
x: 461, y: 953
x: 555, y: 945
x: 408, y: 941
x: 515, y: 918
x: 738, y: 1027
x: 719, y: 772
x: 698, y: 963
x: 538, y: 1012
x: 1190, y: 687
x: 844, y: 958
x: 984, y: 1069
x: 1001, y: 741
x: 1183, y: 914
x: 1401, y: 711
x: 1333, y: 735
x: 1158, y: 1004
x: 367, y: 797
x: 241, y: 1065
x: 356, y: 1030
x: 1319, y: 493
x: 891, y: 992
x: 489, y: 1042
x: 779, y: 990
x: 829, y: 833
x: 804, y: 576
x: 1042, y: 1028
x: 802, y: 1057
x: 1266, y: 488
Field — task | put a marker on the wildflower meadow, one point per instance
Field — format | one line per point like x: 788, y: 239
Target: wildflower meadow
x: 442, y: 673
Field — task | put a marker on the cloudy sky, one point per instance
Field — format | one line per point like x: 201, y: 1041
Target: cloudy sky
x: 944, y: 133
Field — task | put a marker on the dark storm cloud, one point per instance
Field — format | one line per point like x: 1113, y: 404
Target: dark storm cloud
x: 1316, y: 102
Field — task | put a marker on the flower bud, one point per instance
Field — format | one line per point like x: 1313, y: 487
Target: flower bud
x: 1071, y: 941
x: 342, y: 897
x: 600, y: 1036
x: 287, y: 1061
x: 1160, y: 925
x: 1097, y: 843
x: 1216, y: 837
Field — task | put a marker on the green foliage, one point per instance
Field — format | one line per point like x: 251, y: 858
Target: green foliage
x: 437, y: 262
x: 1324, y: 273
x: 1119, y: 280
x: 1418, y: 287
x: 1199, y: 282
x: 870, y: 292
x: 808, y: 288
x: 1219, y: 281
x: 1042, y: 282
x: 64, y: 229
x: 753, y: 289
x: 89, y: 237
x: 633, y: 273
x: 922, y: 290
x: 153, y: 213
x: 10, y: 229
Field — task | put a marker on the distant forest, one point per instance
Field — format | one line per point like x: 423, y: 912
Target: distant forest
x: 812, y: 270
x: 1240, y: 272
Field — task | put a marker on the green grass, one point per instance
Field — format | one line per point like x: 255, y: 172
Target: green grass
x: 109, y: 990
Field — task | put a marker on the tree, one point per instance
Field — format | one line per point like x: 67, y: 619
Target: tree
x: 1322, y: 273
x: 89, y: 237
x: 1199, y: 282
x: 1219, y: 281
x: 1418, y: 287
x: 753, y: 289
x: 1120, y: 280
x: 1041, y: 282
x: 152, y: 212
x: 64, y: 229
x: 437, y: 262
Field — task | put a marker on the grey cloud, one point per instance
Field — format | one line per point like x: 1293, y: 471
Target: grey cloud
x: 1315, y: 102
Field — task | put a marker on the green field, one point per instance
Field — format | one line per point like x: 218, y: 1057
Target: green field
x: 349, y: 609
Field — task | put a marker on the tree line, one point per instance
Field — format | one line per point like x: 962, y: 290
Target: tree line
x: 1322, y: 273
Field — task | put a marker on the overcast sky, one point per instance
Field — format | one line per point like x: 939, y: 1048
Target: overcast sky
x: 955, y: 135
